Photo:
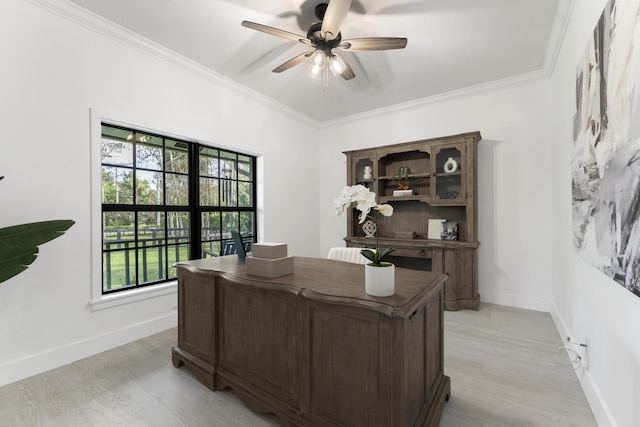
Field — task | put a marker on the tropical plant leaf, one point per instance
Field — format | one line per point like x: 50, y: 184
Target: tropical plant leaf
x: 19, y: 244
x: 14, y: 261
x: 386, y: 252
x: 369, y: 254
x: 375, y: 256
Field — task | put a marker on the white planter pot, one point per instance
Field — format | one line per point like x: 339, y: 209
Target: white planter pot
x: 379, y: 281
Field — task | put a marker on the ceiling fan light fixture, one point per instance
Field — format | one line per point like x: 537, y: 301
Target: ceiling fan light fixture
x: 318, y: 57
x: 337, y: 64
x: 318, y: 62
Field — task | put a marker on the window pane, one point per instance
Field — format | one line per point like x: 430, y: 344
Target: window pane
x: 209, y: 165
x: 151, y: 264
x: 209, y: 192
x: 118, y: 230
x: 210, y: 249
x: 210, y: 226
x: 245, y: 171
x: 149, y: 188
x: 246, y: 224
x: 229, y: 223
x: 148, y: 152
x: 176, y: 253
x: 117, y: 185
x: 177, y: 156
x: 118, y: 269
x: 116, y: 146
x: 177, y: 190
x: 116, y: 133
x: 228, y: 193
x: 179, y: 227
x: 245, y: 194
x: 151, y: 229
x: 228, y: 163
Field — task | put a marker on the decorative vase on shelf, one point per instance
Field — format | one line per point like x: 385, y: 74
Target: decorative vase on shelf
x: 367, y: 173
x: 369, y: 228
x: 379, y: 281
x: 450, y: 166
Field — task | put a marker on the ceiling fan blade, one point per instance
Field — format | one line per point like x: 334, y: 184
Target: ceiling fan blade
x: 276, y: 32
x: 333, y: 17
x: 293, y: 62
x: 374, y: 43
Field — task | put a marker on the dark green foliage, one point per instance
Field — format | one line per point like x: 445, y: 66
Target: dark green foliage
x: 375, y: 256
x: 19, y: 244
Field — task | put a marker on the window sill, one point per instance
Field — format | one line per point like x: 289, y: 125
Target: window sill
x: 134, y: 295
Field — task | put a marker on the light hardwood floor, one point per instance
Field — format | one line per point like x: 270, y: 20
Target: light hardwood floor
x: 500, y: 360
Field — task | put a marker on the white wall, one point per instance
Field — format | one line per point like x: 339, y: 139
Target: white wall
x: 513, y: 177
x: 53, y: 71
x: 585, y: 302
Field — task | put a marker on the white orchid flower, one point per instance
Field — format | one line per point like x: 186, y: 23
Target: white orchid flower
x: 341, y: 204
x: 364, y: 199
x: 385, y: 210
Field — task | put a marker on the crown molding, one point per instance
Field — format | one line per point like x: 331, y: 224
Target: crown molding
x: 518, y: 80
x: 558, y: 34
x: 122, y: 35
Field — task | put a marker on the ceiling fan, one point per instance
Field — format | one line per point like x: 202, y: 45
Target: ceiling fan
x: 324, y: 37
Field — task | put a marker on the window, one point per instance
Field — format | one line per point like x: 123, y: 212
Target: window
x: 166, y: 200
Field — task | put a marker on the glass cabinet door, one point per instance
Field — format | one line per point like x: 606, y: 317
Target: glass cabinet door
x: 449, y: 180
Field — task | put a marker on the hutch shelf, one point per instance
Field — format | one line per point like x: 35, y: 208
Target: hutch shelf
x: 441, y: 174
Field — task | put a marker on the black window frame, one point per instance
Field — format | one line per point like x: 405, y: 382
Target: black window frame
x: 193, y: 209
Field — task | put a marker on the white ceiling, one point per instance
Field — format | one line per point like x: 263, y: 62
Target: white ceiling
x: 453, y: 44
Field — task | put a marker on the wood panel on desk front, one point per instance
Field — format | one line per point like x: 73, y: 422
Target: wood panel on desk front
x: 313, y: 347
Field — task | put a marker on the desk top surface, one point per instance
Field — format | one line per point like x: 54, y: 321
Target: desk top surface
x: 332, y: 281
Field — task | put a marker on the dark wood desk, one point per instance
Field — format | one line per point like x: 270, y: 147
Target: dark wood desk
x: 312, y: 347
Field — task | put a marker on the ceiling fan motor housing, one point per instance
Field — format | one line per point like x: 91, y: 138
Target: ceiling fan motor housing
x: 315, y: 35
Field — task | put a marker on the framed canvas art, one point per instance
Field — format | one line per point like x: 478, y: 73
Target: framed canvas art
x: 605, y: 172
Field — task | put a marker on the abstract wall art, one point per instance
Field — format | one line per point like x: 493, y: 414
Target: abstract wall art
x: 605, y: 170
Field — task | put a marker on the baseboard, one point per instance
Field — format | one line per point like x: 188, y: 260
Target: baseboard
x: 35, y: 364
x: 595, y: 399
x: 517, y: 301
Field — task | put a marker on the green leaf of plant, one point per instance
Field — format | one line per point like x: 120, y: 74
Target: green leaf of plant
x: 386, y: 252
x: 19, y: 244
x: 14, y: 261
x: 369, y: 254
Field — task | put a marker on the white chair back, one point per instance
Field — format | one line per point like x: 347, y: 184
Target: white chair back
x: 347, y: 254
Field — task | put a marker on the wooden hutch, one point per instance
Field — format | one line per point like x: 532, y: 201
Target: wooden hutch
x: 440, y: 191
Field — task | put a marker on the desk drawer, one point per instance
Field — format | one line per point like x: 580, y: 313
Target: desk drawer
x: 413, y: 252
